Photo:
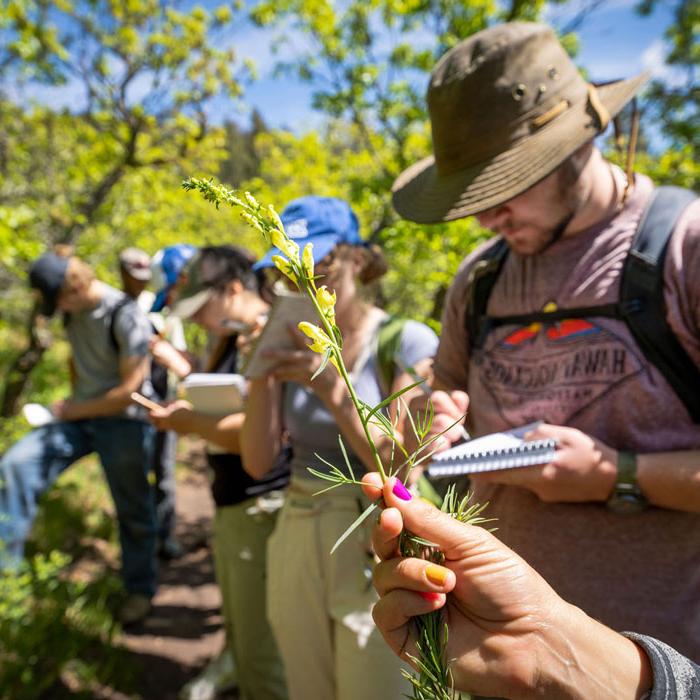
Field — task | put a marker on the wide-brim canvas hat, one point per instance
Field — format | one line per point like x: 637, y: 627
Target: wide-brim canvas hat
x: 324, y: 222
x: 507, y: 107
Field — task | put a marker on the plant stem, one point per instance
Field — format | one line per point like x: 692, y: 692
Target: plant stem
x: 342, y: 370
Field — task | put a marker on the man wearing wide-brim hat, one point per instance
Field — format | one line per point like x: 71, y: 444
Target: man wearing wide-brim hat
x: 513, y: 126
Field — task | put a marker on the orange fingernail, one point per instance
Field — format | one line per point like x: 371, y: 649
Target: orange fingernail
x: 436, y: 574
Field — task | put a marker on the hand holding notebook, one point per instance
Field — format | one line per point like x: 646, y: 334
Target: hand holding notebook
x: 288, y: 310
x: 506, y: 450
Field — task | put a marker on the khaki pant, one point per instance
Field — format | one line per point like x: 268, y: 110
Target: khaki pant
x: 320, y: 605
x: 240, y: 541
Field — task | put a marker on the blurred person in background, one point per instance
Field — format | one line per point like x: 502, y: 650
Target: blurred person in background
x: 108, y: 336
x: 135, y: 274
x: 320, y: 605
x: 221, y: 289
x: 170, y: 363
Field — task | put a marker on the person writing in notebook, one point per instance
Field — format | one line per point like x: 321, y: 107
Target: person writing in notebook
x: 108, y: 336
x: 613, y: 521
x: 222, y: 292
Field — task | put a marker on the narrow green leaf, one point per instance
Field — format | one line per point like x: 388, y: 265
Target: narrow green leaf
x: 345, y: 457
x: 324, y: 362
x: 367, y: 512
x: 391, y: 398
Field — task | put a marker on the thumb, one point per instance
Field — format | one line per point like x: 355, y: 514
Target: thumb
x: 425, y: 520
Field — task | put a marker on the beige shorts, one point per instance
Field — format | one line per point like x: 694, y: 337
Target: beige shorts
x: 320, y: 605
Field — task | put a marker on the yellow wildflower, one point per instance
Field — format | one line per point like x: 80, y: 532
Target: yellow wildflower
x: 307, y: 260
x: 285, y: 244
x: 252, y: 202
x: 285, y: 267
x: 321, y: 340
x: 326, y: 300
x: 275, y: 217
x: 252, y: 221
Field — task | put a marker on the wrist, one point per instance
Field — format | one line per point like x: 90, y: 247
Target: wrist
x: 581, y: 658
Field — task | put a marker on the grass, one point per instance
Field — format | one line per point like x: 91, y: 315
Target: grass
x: 56, y: 624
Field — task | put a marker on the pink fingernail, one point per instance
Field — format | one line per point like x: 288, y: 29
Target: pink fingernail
x: 430, y: 596
x: 400, y: 491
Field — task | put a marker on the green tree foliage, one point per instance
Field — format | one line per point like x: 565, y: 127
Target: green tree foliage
x: 368, y: 63
x: 142, y: 74
x: 242, y: 159
x: 674, y: 102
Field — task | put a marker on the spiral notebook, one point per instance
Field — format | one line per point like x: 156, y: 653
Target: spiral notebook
x: 507, y: 450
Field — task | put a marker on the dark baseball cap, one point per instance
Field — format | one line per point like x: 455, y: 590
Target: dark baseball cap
x: 47, y: 275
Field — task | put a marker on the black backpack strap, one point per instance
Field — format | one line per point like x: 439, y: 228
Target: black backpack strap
x: 124, y: 301
x: 642, y: 295
x: 482, y: 278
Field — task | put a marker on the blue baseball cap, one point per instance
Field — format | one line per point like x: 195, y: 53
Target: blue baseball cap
x: 323, y: 221
x: 166, y: 266
x: 47, y: 274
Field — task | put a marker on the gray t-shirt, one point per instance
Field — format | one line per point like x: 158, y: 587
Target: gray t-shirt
x: 311, y: 426
x: 95, y: 357
x: 675, y: 676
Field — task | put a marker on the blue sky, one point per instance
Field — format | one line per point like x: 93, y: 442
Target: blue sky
x: 615, y: 43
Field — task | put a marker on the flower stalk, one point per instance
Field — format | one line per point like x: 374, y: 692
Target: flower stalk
x: 434, y: 679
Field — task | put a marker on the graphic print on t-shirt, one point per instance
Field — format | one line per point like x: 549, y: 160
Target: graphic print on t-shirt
x: 553, y: 371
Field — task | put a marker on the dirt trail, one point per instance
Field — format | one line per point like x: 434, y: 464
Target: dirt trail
x: 184, y: 629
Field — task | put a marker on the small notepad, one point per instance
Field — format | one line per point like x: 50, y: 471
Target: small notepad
x: 507, y: 450
x: 215, y: 394
x: 288, y: 309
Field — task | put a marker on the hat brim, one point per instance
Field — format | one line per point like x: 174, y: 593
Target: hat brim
x: 160, y: 301
x: 422, y: 195
x: 322, y: 245
x: 140, y: 274
x: 189, y: 306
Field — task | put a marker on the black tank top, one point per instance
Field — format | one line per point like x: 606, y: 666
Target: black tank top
x: 232, y: 484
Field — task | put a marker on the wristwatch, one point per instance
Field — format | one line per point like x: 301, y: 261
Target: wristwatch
x: 626, y: 496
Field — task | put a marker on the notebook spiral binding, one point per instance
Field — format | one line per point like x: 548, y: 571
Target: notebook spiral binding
x: 526, y: 454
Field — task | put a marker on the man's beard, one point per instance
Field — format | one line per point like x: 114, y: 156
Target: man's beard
x: 568, y: 193
x: 558, y: 231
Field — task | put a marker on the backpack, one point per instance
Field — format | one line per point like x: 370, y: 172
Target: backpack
x: 640, y: 305
x: 158, y: 373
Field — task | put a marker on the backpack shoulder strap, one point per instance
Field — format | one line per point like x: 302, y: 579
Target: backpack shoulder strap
x: 642, y: 295
x: 124, y: 301
x: 482, y: 278
x: 388, y: 344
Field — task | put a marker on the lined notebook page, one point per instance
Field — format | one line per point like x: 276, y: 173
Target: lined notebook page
x: 505, y: 450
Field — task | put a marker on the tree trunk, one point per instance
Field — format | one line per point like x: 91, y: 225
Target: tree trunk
x: 19, y: 371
